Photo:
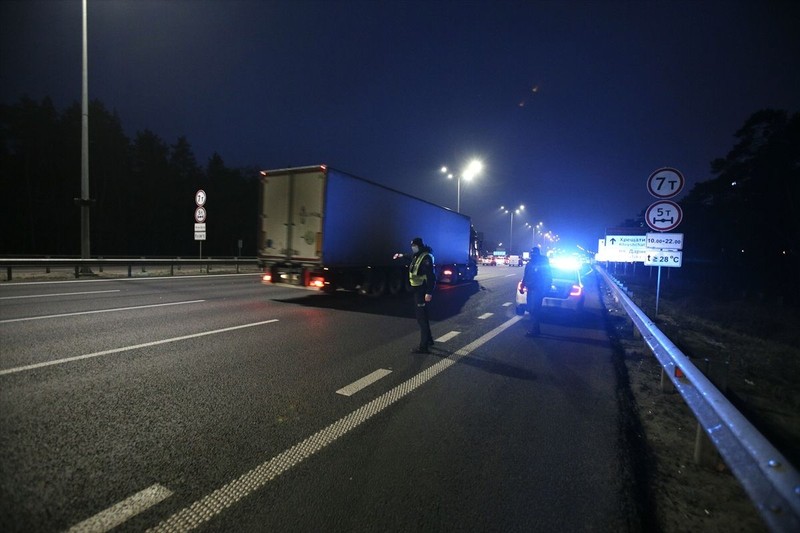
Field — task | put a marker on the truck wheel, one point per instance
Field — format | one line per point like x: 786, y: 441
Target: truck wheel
x: 374, y: 284
x: 397, y: 282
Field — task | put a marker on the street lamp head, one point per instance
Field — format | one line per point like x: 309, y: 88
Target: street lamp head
x: 472, y: 170
x: 444, y: 170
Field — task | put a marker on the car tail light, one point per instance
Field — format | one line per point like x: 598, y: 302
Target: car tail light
x: 266, y: 277
x: 447, y: 272
x: 520, y: 288
x: 576, y: 290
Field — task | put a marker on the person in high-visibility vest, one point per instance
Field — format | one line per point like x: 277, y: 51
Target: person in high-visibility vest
x: 423, y: 281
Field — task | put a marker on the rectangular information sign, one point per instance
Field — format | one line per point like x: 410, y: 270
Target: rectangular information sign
x: 664, y: 258
x: 624, y: 248
x: 199, y: 235
x: 664, y: 241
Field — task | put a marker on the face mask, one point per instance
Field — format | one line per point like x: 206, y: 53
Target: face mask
x: 415, y: 249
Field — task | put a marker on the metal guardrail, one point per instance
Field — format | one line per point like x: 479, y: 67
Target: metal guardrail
x: 80, y: 265
x: 770, y: 481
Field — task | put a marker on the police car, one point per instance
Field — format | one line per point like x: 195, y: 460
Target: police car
x: 566, y: 291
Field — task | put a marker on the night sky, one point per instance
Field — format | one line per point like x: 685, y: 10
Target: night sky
x: 570, y: 105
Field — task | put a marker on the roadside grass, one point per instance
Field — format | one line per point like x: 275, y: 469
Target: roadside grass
x: 749, y: 348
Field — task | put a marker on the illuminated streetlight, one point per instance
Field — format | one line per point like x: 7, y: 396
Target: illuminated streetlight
x: 517, y: 211
x: 473, y: 169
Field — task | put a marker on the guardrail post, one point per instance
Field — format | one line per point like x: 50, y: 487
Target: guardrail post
x: 130, y: 268
x: 143, y: 266
x: 172, y: 269
x: 8, y: 273
x: 237, y: 264
x: 47, y: 269
x: 705, y: 453
x: 667, y: 386
x: 101, y: 264
x: 77, y: 271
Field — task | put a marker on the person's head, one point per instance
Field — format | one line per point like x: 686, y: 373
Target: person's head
x: 535, y: 251
x: 417, y: 244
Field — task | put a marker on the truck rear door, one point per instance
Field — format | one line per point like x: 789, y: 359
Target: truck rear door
x: 291, y: 216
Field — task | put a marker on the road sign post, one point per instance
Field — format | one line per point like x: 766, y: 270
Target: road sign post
x: 664, y: 249
x: 200, y: 216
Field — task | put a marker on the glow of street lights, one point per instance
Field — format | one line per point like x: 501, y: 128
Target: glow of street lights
x: 473, y: 169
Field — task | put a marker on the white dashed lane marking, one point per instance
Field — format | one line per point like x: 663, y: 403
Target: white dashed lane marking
x: 124, y: 510
x: 484, y: 316
x: 507, y: 304
x: 447, y: 336
x: 364, y: 382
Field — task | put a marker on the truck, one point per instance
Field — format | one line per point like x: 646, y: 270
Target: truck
x: 327, y: 229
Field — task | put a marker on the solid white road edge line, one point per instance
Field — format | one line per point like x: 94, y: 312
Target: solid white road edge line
x: 54, y: 294
x: 447, y: 336
x: 364, y: 382
x: 154, y: 278
x: 122, y: 511
x: 214, y: 503
x: 128, y: 348
x: 98, y: 311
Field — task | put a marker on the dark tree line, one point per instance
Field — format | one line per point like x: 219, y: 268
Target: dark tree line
x: 742, y: 227
x: 143, y: 188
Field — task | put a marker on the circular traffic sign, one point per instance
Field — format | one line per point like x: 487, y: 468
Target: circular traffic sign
x: 665, y: 182
x: 200, y: 198
x: 200, y: 214
x: 663, y: 215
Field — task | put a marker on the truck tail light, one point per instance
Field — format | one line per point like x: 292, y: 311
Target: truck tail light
x: 576, y: 290
x: 316, y: 281
x: 447, y: 272
x: 266, y: 277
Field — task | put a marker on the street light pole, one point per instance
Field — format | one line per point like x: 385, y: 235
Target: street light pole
x: 511, y: 230
x: 472, y: 170
x: 84, y: 200
x: 511, y: 235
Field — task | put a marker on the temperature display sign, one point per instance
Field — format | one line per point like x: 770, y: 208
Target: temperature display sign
x: 664, y: 258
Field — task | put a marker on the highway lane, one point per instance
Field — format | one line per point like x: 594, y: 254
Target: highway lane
x: 516, y: 430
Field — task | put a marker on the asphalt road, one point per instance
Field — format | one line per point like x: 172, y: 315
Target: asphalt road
x: 221, y: 403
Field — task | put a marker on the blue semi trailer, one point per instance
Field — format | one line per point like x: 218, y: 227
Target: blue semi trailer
x: 320, y: 227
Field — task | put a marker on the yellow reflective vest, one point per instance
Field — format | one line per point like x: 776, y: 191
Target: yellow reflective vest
x: 413, y: 277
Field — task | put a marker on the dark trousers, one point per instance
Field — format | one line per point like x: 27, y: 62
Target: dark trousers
x: 421, y: 311
x: 535, y: 308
